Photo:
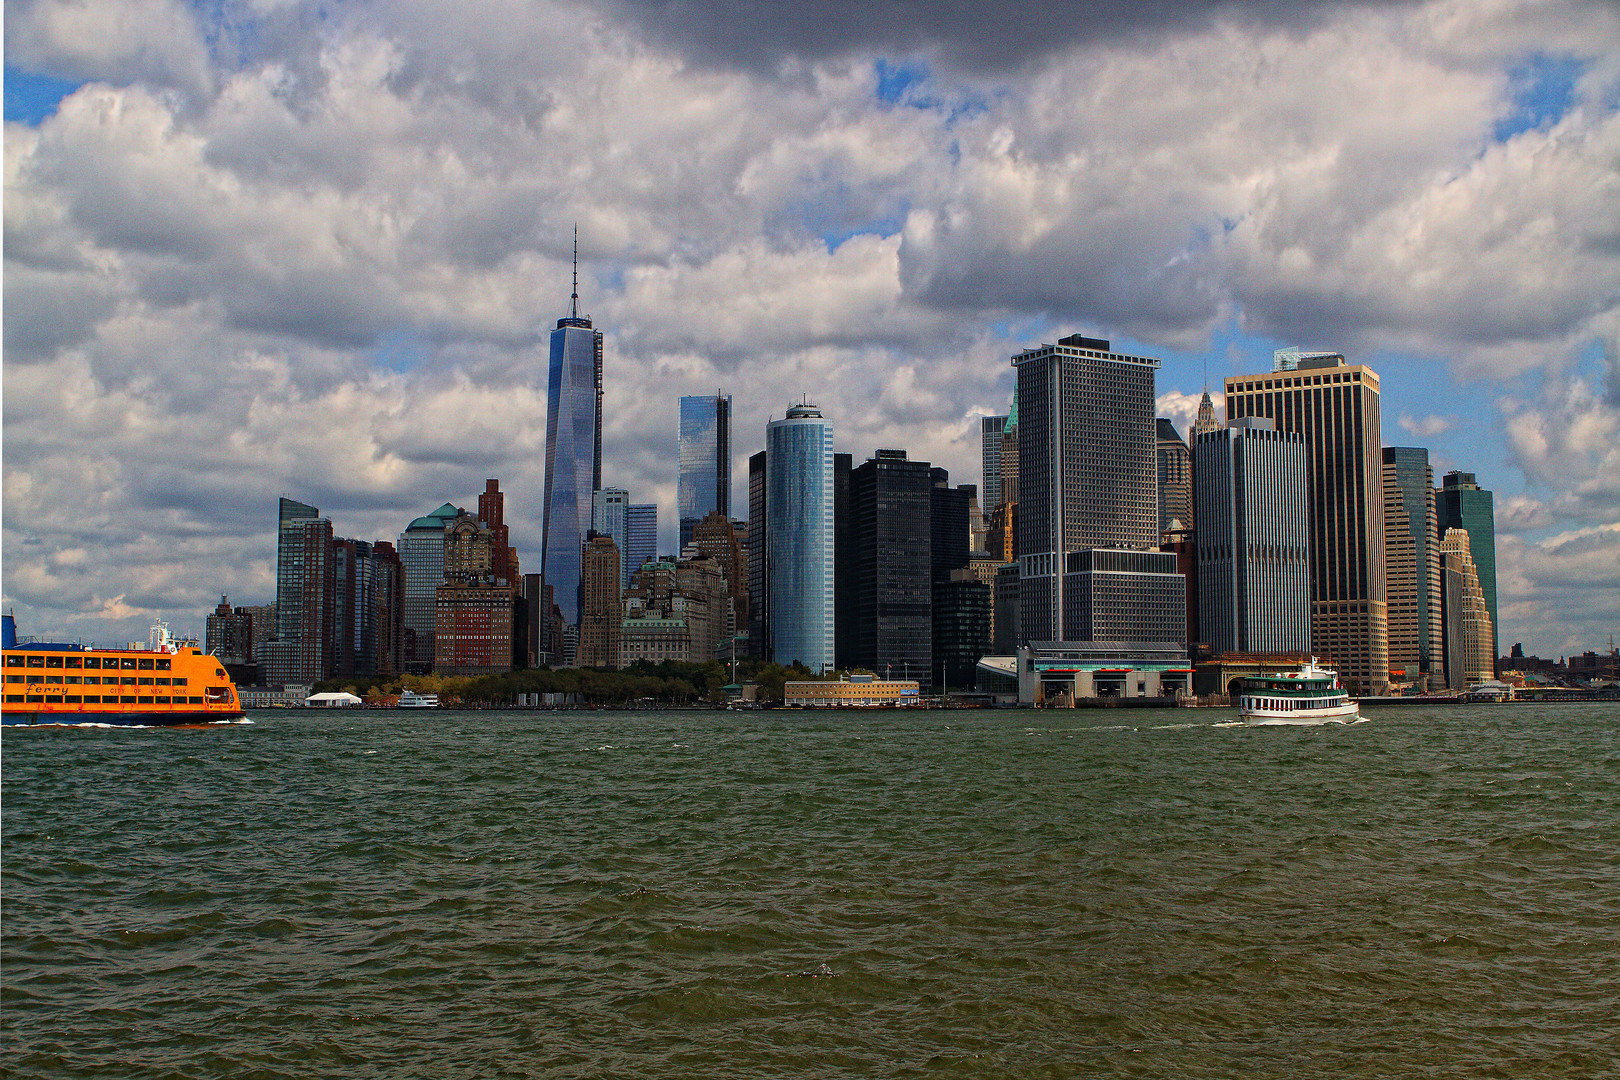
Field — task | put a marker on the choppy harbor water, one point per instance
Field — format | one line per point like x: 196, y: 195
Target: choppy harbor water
x: 1435, y: 892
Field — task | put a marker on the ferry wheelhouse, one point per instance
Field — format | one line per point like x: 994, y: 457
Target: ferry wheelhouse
x: 165, y: 684
x: 1311, y: 695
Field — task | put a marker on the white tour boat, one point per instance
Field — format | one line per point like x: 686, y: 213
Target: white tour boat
x: 1311, y: 695
x: 410, y: 699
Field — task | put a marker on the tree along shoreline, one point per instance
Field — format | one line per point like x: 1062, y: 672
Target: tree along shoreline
x: 670, y: 682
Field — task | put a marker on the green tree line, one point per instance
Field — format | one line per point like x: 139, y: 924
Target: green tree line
x: 669, y: 682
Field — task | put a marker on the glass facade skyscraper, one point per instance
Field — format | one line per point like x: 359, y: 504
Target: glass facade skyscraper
x: 421, y: 553
x: 641, y: 528
x: 1254, y: 588
x: 800, y: 537
x: 610, y: 516
x: 1336, y: 407
x: 703, y: 484
x: 573, y: 454
x: 991, y: 430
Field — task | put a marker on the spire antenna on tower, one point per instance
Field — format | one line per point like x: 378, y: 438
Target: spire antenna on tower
x: 574, y: 309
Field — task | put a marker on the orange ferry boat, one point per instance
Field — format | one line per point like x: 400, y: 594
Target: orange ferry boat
x: 68, y: 683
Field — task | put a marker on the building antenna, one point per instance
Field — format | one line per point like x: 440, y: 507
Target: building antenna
x: 574, y: 310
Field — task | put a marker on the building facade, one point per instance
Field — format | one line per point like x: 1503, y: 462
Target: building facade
x: 421, y: 554
x: 1175, y: 477
x: 759, y: 564
x: 641, y: 535
x: 703, y: 483
x: 1469, y: 633
x: 1254, y: 589
x: 889, y: 568
x: 301, y: 651
x: 1088, y: 479
x: 573, y: 453
x: 1462, y: 504
x: 228, y: 634
x: 991, y: 429
x: 800, y: 535
x: 1412, y: 558
x: 1336, y: 408
x: 610, y: 517
x: 602, y: 605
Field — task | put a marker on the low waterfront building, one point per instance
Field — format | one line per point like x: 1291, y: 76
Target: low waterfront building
x: 856, y: 692
x: 1063, y: 672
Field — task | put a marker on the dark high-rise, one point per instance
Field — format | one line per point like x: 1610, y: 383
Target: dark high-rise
x: 759, y: 565
x: 1088, y: 502
x: 890, y: 621
x: 301, y: 652
x: 1175, y: 477
x: 703, y: 482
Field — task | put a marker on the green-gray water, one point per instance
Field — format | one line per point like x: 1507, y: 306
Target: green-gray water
x: 1434, y: 892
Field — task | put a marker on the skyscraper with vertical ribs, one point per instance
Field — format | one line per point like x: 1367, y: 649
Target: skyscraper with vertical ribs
x: 1336, y: 407
x: 1412, y: 555
x: 573, y: 450
x: 1088, y: 502
x: 799, y: 505
x: 703, y: 483
x: 1253, y: 561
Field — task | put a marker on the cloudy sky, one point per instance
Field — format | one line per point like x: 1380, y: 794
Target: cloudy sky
x: 266, y: 247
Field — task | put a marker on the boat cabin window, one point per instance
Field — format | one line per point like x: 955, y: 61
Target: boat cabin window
x: 53, y: 661
x: 92, y: 661
x: 145, y: 665
x: 163, y: 665
x: 73, y: 661
x: 36, y: 661
x: 128, y: 663
x: 14, y: 661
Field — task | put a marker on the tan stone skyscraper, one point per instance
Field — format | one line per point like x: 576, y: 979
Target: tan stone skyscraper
x: 1336, y: 407
x: 601, y: 608
x: 1467, y: 618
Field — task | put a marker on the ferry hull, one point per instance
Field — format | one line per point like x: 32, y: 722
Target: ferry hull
x: 1344, y: 714
x: 131, y: 719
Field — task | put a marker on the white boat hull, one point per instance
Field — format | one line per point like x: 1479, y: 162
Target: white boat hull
x: 1338, y: 714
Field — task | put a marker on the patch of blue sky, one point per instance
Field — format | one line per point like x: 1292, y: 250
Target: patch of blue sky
x: 401, y: 349
x: 32, y: 99
x: 1542, y: 90
x: 897, y: 78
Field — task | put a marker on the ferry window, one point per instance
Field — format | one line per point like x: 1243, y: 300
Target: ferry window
x: 92, y: 699
x: 14, y: 661
x: 92, y: 661
x: 128, y: 680
x: 219, y: 673
x: 180, y: 680
x: 57, y: 679
x: 36, y: 699
x: 193, y: 701
x: 71, y: 699
x: 14, y: 697
x: 128, y: 663
x: 74, y: 661
x: 143, y: 701
x: 162, y: 700
x: 73, y: 680
x: 126, y: 699
x: 162, y: 681
x: 146, y: 665
x: 36, y: 661
x: 145, y: 681
x: 163, y: 665
x: 53, y: 699
x: 16, y: 678
x: 53, y: 661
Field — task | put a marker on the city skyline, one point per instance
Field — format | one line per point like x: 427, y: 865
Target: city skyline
x: 347, y: 258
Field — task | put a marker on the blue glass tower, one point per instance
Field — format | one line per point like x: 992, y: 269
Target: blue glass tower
x: 799, y: 506
x: 573, y: 450
x: 703, y: 484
